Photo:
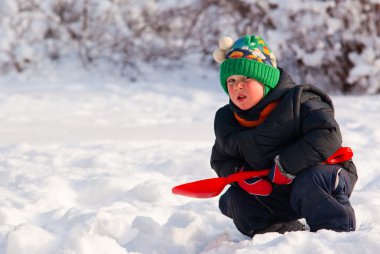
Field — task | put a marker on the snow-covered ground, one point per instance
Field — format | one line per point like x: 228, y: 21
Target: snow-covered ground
x: 87, y: 165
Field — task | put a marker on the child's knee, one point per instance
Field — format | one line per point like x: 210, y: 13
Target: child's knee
x: 223, y: 205
x: 312, y: 186
x: 321, y: 195
x: 322, y: 177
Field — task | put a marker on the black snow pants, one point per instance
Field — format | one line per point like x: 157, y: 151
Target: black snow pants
x: 320, y: 194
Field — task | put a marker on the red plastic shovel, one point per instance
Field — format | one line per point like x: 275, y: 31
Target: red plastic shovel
x: 341, y: 155
x: 212, y: 187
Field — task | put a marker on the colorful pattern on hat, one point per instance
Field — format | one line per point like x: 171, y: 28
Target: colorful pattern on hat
x: 250, y: 56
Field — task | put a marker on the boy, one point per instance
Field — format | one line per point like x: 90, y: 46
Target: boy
x: 270, y: 122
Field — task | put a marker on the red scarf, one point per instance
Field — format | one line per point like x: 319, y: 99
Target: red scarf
x: 263, y: 115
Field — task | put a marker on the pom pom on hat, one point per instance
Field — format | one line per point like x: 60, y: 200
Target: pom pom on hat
x: 219, y: 55
x: 226, y: 43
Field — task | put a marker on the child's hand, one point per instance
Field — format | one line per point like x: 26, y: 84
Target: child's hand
x: 256, y: 186
x: 278, y: 175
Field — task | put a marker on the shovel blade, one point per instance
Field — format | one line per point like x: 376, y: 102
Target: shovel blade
x: 207, y: 188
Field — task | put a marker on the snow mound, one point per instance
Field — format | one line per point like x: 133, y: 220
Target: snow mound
x: 90, y: 171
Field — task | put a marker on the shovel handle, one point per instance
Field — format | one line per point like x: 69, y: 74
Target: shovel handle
x: 246, y: 175
x: 341, y: 155
x: 212, y: 187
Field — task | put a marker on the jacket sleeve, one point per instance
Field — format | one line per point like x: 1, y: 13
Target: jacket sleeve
x: 320, y: 137
x: 223, y: 160
x: 224, y: 164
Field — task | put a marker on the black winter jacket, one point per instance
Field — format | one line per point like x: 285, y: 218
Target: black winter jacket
x: 301, y: 130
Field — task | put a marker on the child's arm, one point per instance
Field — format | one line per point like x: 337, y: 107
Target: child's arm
x: 321, y: 137
x: 224, y: 164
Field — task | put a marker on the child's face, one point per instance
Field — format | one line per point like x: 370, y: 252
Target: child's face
x: 244, y: 92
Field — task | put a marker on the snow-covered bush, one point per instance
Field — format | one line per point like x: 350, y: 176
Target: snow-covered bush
x: 332, y: 44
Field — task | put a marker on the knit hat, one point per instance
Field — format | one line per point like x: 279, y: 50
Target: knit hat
x: 248, y: 56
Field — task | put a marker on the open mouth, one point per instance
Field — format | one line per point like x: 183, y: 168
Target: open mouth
x: 241, y: 97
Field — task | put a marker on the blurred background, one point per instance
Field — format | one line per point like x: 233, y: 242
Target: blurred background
x: 105, y: 105
x: 334, y: 44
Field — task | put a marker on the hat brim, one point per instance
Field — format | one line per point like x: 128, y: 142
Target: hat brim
x: 264, y: 73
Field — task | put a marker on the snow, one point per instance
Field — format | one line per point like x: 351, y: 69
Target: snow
x: 87, y: 163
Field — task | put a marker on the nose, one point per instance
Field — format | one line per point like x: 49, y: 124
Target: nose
x: 240, y: 84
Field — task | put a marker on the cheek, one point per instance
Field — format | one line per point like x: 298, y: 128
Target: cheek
x: 256, y: 93
x: 230, y: 90
x: 258, y: 90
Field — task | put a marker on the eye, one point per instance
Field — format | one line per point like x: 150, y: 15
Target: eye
x: 230, y: 81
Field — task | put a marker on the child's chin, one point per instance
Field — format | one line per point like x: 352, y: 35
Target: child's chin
x: 243, y: 107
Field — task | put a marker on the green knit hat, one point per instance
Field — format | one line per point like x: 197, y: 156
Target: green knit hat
x: 248, y: 56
